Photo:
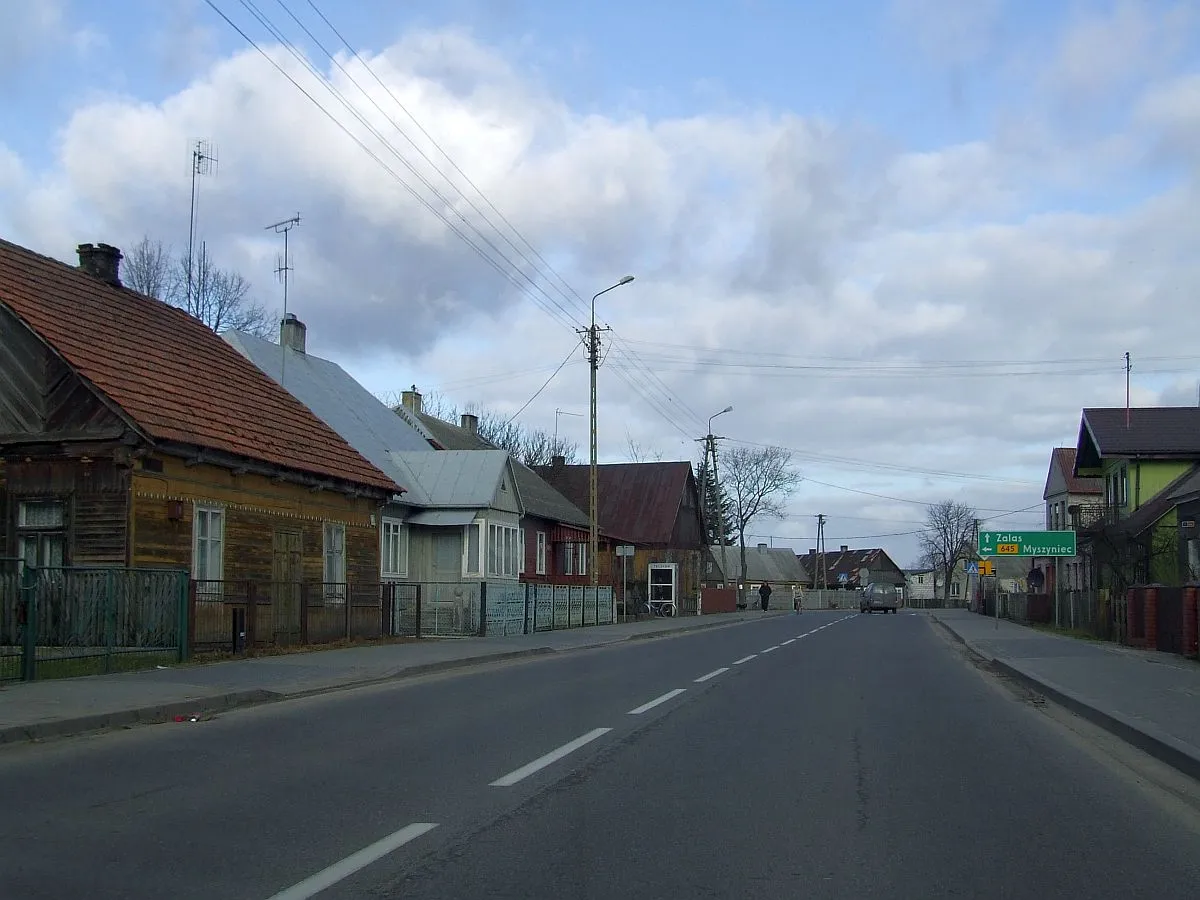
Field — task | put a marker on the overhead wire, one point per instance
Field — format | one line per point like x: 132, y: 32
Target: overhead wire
x: 538, y: 392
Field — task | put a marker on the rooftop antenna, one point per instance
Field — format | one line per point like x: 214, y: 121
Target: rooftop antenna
x: 204, y: 162
x: 282, y: 267
x: 1128, y: 367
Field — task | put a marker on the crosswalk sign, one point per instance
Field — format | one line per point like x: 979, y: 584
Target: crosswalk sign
x: 972, y: 568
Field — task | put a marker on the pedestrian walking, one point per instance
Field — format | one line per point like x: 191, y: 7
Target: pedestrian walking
x: 764, y: 594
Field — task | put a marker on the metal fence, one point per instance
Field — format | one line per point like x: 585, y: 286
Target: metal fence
x: 61, y: 622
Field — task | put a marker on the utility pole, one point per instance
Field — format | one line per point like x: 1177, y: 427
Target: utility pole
x: 204, y: 162
x: 974, y: 585
x: 282, y: 267
x: 820, y: 560
x: 710, y: 471
x: 593, y: 354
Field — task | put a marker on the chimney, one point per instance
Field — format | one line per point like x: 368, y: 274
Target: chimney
x: 292, y: 333
x: 845, y: 548
x: 558, y: 461
x: 412, y: 400
x: 101, y: 261
x: 469, y: 422
x: 812, y: 551
x: 762, y: 547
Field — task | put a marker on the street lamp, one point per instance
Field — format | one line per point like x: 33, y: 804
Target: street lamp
x: 594, y: 360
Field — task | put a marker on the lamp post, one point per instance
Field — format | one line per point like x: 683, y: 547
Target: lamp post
x: 594, y: 361
x: 712, y: 448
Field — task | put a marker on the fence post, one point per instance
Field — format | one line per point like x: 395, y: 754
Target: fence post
x: 417, y: 614
x: 190, y: 594
x: 187, y: 609
x: 304, y: 585
x: 483, y: 609
x: 251, y: 617
x: 349, y: 628
x: 1190, y: 636
x: 526, y: 628
x: 110, y: 619
x: 1150, y: 608
x: 29, y: 642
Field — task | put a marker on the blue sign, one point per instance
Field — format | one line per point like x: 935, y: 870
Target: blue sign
x: 972, y: 568
x: 843, y: 577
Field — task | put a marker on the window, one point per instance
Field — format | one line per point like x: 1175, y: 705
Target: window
x: 472, y: 564
x: 1124, y: 486
x: 521, y: 551
x: 540, y: 561
x: 503, y: 550
x: 41, y: 532
x: 394, y: 550
x: 581, y: 560
x: 335, y: 560
x: 574, y: 559
x: 955, y: 588
x: 208, y: 554
x: 920, y: 579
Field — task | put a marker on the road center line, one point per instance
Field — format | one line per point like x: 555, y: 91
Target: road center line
x: 744, y: 659
x: 788, y: 641
x: 314, y: 884
x: 713, y: 674
x: 646, y: 707
x: 769, y: 649
x: 552, y: 757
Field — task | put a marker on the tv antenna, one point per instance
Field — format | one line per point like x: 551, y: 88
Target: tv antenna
x: 204, y: 162
x: 282, y: 267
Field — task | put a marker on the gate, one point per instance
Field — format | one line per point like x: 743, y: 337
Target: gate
x: 1170, y: 620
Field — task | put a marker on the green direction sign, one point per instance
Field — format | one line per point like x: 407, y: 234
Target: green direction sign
x: 1027, y: 543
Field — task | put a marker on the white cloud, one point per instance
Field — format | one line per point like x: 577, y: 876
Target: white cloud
x: 873, y: 298
x: 951, y: 32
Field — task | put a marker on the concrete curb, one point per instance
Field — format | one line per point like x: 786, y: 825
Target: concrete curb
x: 1162, y: 747
x: 215, y: 703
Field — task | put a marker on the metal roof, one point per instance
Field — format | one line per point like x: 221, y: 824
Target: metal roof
x: 358, y: 416
x: 848, y: 562
x: 442, y: 517
x: 456, y: 478
x: 771, y: 564
x: 638, y: 502
x: 1153, y: 431
x: 538, y: 496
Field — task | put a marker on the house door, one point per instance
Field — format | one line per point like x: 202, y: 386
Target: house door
x: 447, y: 555
x: 664, y: 585
x: 286, y: 594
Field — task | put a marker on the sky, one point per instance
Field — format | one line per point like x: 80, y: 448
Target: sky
x: 907, y: 240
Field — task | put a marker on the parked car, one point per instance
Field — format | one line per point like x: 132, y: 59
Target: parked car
x: 876, y: 596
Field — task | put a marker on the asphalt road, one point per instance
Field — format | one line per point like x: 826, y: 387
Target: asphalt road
x: 864, y: 759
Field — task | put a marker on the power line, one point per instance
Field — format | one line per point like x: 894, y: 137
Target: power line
x: 538, y: 392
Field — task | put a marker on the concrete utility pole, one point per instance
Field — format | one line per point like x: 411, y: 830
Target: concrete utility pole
x: 710, y: 470
x: 820, y: 559
x: 593, y: 351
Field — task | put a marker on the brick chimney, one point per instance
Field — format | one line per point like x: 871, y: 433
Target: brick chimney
x: 558, y: 462
x: 469, y: 422
x: 292, y: 333
x: 101, y: 261
x: 412, y: 400
x: 845, y: 548
x: 762, y: 547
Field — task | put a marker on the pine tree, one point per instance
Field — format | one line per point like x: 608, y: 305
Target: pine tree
x: 718, y: 512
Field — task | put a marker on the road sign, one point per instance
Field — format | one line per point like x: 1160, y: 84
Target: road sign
x: 987, y: 567
x: 972, y: 567
x: 624, y: 549
x: 843, y: 577
x: 1027, y: 543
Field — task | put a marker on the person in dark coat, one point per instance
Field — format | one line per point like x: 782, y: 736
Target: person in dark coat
x: 764, y: 594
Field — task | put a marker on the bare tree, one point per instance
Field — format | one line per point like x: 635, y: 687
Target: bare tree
x: 149, y: 268
x: 640, y: 452
x: 533, y: 447
x: 926, y: 561
x: 758, y: 481
x: 220, y: 298
x: 946, y: 540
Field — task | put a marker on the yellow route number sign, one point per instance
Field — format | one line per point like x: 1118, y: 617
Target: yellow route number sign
x: 1008, y: 549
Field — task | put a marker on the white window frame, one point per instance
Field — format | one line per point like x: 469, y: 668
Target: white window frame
x: 44, y: 537
x: 502, y: 550
x: 333, y: 559
x: 473, y: 568
x: 521, y: 551
x: 393, y: 548
x: 540, y: 561
x: 581, y: 559
x: 213, y: 513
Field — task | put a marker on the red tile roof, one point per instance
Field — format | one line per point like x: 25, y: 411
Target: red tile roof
x: 171, y: 374
x: 638, y: 502
x: 1064, y: 458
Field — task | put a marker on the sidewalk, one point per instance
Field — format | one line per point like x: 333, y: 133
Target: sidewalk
x: 1150, y: 699
x: 59, y: 707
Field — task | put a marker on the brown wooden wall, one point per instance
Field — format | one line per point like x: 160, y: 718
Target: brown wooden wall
x: 96, y: 497
x: 255, y: 508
